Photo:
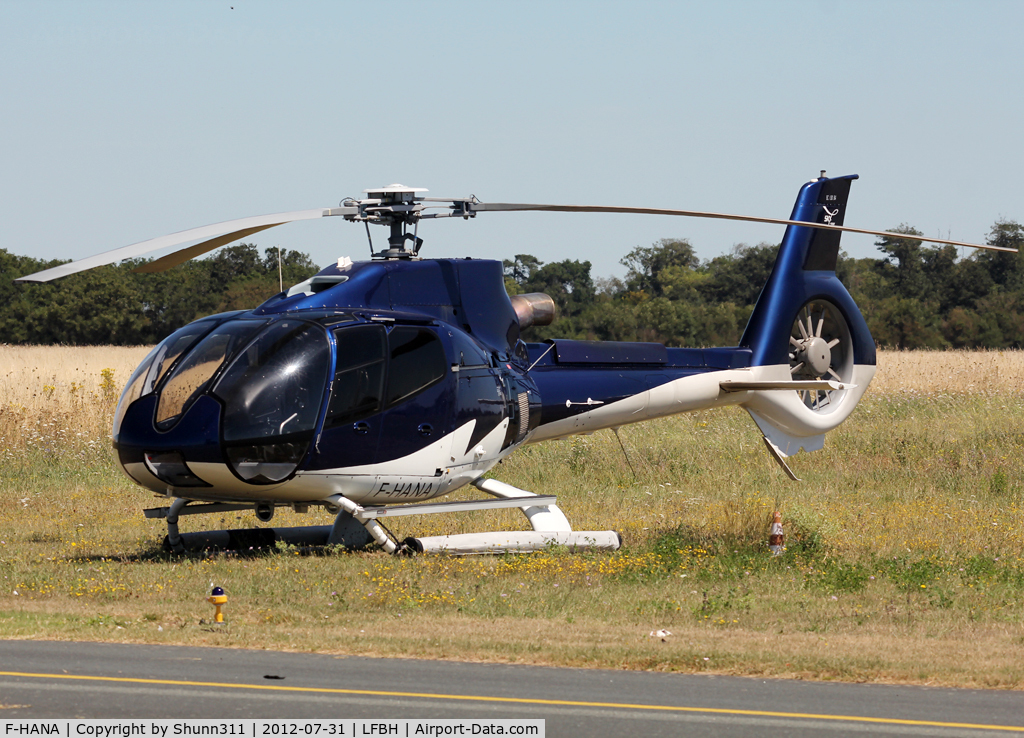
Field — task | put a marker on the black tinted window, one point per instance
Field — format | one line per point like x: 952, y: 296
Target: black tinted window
x: 275, y: 386
x: 359, y: 377
x: 417, y: 361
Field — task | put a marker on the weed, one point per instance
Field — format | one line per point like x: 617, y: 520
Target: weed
x: 108, y: 387
x: 842, y: 576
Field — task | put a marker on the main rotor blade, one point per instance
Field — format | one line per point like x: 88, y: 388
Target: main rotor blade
x: 182, y: 255
x: 216, y: 234
x: 513, y: 206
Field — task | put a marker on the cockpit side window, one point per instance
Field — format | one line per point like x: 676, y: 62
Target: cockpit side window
x: 358, y: 388
x: 417, y: 362
x: 134, y: 389
x: 156, y: 364
x: 191, y: 376
x: 174, y: 346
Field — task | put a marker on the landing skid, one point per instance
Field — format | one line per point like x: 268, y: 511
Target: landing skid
x: 356, y: 526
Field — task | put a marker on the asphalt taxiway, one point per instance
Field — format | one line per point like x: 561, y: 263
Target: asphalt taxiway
x: 40, y: 679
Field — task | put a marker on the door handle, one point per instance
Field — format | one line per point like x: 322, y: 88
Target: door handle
x: 362, y: 427
x: 425, y: 429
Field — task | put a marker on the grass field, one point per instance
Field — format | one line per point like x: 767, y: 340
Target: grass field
x: 904, y: 561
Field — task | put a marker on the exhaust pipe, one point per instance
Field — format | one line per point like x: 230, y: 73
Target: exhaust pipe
x: 534, y: 308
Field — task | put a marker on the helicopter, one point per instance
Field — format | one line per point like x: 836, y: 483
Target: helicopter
x: 376, y: 387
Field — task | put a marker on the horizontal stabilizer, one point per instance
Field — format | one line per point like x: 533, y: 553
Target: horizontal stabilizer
x: 811, y: 384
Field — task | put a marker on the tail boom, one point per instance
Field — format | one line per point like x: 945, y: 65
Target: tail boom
x: 805, y: 332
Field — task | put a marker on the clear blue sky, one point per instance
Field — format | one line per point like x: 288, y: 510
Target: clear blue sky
x: 123, y: 121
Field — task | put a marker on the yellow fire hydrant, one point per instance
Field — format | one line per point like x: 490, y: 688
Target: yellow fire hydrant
x: 218, y: 599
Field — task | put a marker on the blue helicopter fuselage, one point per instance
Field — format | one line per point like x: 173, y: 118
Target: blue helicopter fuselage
x: 397, y: 380
x: 383, y: 380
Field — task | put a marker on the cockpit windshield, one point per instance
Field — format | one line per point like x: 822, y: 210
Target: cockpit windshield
x: 271, y: 375
x: 272, y: 393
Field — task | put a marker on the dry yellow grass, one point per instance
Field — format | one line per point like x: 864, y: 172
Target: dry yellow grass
x: 949, y: 372
x: 71, y: 371
x: 61, y: 391
x: 48, y: 378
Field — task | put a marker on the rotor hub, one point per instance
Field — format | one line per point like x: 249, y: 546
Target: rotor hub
x: 815, y: 354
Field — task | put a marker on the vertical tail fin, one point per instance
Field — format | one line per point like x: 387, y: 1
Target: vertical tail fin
x: 805, y: 270
x: 806, y: 327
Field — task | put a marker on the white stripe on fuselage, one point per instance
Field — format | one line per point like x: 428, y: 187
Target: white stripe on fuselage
x: 410, y: 478
x: 405, y: 479
x: 702, y: 391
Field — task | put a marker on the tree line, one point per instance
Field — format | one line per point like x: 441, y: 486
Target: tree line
x: 115, y: 305
x: 913, y: 295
